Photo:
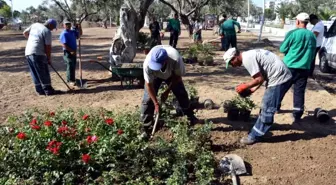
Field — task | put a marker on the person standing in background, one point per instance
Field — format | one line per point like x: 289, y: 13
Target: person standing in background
x: 154, y: 28
x: 68, y: 39
x: 228, y: 33
x: 318, y: 31
x: 174, y: 26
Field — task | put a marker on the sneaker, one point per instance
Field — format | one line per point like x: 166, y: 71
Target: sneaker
x: 247, y: 141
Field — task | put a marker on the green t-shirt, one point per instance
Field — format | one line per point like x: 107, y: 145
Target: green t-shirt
x: 299, y: 48
x: 228, y: 27
x: 175, y: 24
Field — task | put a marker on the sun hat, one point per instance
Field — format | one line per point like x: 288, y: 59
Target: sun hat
x: 228, y: 55
x: 157, y: 58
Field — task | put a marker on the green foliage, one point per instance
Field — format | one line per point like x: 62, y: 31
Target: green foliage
x: 239, y: 103
x: 269, y: 14
x: 101, y: 147
x: 6, y: 11
x: 143, y: 39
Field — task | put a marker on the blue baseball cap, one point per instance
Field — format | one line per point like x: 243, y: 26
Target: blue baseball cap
x: 52, y: 22
x: 157, y: 58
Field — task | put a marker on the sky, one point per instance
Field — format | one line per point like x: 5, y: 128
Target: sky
x: 23, y: 4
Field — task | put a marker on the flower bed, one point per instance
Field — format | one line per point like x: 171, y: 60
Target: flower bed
x: 68, y: 147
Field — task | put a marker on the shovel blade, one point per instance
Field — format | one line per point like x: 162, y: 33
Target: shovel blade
x: 235, y: 162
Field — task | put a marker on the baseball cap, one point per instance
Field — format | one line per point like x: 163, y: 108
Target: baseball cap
x: 228, y: 55
x: 303, y: 17
x: 66, y: 21
x: 52, y: 22
x: 157, y: 58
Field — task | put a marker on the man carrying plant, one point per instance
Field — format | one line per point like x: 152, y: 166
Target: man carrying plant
x: 228, y: 33
x: 164, y: 64
x: 263, y: 66
x: 68, y: 38
x: 38, y: 55
x: 174, y: 27
x: 299, y: 48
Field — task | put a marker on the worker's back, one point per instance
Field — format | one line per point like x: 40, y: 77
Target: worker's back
x: 299, y: 48
x: 228, y: 27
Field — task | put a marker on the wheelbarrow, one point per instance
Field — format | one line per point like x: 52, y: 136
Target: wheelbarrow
x: 126, y: 74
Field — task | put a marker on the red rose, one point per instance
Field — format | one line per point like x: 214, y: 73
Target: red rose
x: 48, y: 123
x: 52, y: 114
x: 35, y: 127
x: 86, y: 158
x: 91, y: 139
x: 54, y: 147
x: 21, y: 135
x: 109, y: 121
x: 33, y: 122
x: 120, y: 131
x: 64, y: 122
x: 85, y: 117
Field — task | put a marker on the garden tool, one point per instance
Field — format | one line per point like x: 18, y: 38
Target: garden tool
x: 234, y: 165
x: 101, y: 64
x: 156, y: 116
x: 60, y: 77
x: 82, y: 83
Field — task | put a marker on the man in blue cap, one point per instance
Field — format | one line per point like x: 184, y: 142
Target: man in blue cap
x: 38, y: 55
x: 68, y: 39
x: 164, y: 63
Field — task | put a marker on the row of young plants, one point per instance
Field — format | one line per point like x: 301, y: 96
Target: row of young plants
x: 199, y: 53
x: 101, y: 147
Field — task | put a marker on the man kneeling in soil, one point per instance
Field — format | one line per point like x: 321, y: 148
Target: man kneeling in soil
x: 164, y: 63
x: 263, y: 66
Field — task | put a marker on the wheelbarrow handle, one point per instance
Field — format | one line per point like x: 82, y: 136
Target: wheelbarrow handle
x: 101, y: 65
x: 234, y: 179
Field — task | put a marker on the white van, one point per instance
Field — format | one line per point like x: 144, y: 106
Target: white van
x: 328, y: 50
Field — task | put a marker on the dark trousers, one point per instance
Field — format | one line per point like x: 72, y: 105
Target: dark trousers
x: 229, y: 40
x: 155, y: 39
x: 70, y: 61
x: 299, y: 79
x: 173, y: 38
x: 147, y: 106
x: 38, y: 66
x: 312, y: 65
x: 271, y: 100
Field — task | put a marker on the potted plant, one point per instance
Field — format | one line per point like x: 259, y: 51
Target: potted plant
x: 191, y: 55
x: 239, y: 108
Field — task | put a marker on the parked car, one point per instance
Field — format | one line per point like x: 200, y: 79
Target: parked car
x: 327, y: 53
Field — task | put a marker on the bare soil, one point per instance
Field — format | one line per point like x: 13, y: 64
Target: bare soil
x: 290, y: 154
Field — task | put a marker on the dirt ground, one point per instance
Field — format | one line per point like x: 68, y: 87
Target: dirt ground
x: 300, y: 155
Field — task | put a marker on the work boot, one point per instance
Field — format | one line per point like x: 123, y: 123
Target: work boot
x: 54, y: 92
x: 247, y: 141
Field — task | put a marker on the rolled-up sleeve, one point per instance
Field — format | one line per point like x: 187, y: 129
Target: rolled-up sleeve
x: 148, y: 75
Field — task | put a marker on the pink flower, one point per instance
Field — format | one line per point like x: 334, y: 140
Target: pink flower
x: 86, y: 158
x: 48, y: 123
x: 85, y: 117
x: 91, y: 139
x: 21, y: 136
x: 109, y: 121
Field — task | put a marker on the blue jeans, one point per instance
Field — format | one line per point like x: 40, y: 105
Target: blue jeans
x: 38, y: 66
x: 147, y: 106
x: 271, y: 100
x: 227, y: 41
x: 299, y: 79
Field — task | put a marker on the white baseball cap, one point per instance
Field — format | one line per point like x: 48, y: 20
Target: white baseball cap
x: 303, y: 17
x: 228, y: 55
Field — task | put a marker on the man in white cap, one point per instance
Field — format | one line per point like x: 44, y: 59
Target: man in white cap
x: 38, y: 55
x: 318, y: 31
x: 299, y: 48
x: 263, y: 66
x: 164, y: 64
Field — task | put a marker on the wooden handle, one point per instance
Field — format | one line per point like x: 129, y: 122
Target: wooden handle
x: 234, y: 179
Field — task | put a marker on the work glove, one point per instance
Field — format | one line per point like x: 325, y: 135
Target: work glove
x: 241, y: 88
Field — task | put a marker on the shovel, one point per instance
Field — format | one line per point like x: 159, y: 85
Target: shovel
x: 156, y: 116
x: 233, y: 165
x: 83, y: 85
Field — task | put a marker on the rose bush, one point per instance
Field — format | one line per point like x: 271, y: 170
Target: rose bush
x: 101, y: 147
